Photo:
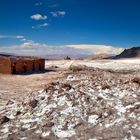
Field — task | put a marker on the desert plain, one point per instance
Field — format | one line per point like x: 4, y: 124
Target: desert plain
x: 73, y: 99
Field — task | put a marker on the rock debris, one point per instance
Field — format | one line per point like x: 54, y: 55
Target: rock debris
x: 84, y: 105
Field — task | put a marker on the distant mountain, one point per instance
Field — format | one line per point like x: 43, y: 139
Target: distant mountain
x: 129, y: 53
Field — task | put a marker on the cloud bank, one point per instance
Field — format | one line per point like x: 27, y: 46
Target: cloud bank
x: 30, y: 47
x: 97, y: 49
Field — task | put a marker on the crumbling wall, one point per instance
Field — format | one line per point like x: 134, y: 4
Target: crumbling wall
x: 36, y: 65
x: 29, y: 66
x: 42, y: 64
x: 5, y: 65
x: 39, y: 64
x: 17, y: 65
x: 23, y: 66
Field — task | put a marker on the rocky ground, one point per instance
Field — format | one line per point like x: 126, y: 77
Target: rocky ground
x: 86, y: 104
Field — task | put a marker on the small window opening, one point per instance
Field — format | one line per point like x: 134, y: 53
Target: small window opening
x: 14, y: 68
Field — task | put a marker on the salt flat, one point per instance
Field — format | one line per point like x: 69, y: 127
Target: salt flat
x: 107, y: 64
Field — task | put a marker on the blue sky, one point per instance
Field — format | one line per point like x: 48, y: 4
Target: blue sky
x: 69, y: 23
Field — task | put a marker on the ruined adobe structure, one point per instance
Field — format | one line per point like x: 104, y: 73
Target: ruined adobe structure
x: 17, y: 65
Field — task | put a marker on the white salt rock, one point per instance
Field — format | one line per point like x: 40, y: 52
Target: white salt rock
x: 134, y: 95
x: 38, y: 131
x: 61, y: 101
x: 26, y: 126
x: 93, y: 139
x: 45, y: 134
x: 93, y: 119
x: 133, y: 138
x: 5, y: 130
x: 24, y: 138
x: 63, y: 134
x: 30, y: 120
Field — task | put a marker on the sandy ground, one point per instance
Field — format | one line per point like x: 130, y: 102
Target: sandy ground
x: 19, y: 86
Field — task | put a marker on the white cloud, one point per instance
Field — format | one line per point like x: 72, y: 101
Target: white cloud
x: 54, y: 14
x: 97, y: 49
x: 40, y: 26
x: 44, y: 25
x: 24, y: 39
x: 58, y: 13
x: 38, y: 4
x: 38, y: 17
x: 11, y: 37
x: 19, y: 37
x: 53, y: 5
x: 61, y: 13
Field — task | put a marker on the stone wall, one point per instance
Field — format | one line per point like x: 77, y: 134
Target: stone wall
x: 29, y: 66
x: 21, y: 65
x: 5, y: 65
x: 39, y: 64
x: 18, y: 66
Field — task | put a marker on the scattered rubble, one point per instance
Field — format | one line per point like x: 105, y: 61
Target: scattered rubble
x: 136, y: 80
x: 85, y: 105
x: 4, y: 119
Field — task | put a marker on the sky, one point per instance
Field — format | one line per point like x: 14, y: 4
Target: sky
x: 48, y: 27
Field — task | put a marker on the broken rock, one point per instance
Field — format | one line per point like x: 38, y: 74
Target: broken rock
x: 4, y: 119
x: 33, y: 103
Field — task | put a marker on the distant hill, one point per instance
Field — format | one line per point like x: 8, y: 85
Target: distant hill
x: 98, y: 56
x: 62, y: 56
x: 129, y: 53
x: 7, y: 55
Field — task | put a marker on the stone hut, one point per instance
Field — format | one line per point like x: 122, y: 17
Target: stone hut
x: 21, y: 64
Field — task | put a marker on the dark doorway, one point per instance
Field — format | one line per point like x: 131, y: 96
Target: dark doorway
x: 40, y: 67
x: 25, y: 67
x: 33, y: 66
x: 14, y: 68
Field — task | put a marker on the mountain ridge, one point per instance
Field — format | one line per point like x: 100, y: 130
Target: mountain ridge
x: 133, y: 52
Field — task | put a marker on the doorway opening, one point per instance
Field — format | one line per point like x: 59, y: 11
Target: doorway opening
x: 39, y: 67
x: 25, y: 67
x: 33, y: 66
x: 14, y: 68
